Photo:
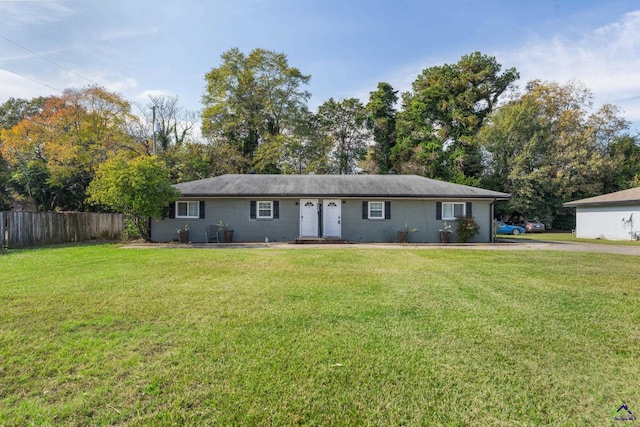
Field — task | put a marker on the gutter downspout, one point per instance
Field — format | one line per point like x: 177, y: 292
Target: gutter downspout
x: 492, y: 237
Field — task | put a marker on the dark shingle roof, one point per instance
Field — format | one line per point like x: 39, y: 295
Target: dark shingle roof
x: 400, y: 186
x: 624, y: 197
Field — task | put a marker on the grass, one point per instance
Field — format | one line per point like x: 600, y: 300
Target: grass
x: 101, y: 335
x: 567, y: 237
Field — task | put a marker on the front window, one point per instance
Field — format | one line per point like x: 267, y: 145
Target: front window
x: 265, y: 210
x: 376, y: 210
x: 451, y: 211
x: 187, y: 209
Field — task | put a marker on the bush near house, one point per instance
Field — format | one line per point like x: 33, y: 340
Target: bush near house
x: 466, y: 228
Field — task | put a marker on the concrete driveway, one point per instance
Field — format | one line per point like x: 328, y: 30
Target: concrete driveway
x: 573, y: 246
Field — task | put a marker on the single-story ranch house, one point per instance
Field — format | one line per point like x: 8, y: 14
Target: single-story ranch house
x: 613, y: 216
x: 357, y: 208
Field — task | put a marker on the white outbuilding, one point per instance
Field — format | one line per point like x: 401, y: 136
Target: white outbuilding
x: 613, y: 216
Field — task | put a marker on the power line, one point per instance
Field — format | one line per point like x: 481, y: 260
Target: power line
x: 32, y: 79
x: 54, y: 63
x: 47, y: 59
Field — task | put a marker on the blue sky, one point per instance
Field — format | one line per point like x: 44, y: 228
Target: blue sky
x: 142, y: 47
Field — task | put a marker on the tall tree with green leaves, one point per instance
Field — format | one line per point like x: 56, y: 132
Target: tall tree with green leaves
x: 32, y: 180
x: 446, y: 108
x: 250, y: 98
x: 548, y: 147
x: 305, y: 150
x: 381, y: 120
x: 626, y: 151
x: 190, y: 161
x: 14, y: 110
x: 343, y: 123
x: 139, y: 188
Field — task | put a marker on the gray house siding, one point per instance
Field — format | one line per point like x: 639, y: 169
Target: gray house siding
x: 414, y: 213
x: 420, y: 214
x: 236, y: 213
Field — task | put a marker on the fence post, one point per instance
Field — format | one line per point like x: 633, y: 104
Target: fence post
x: 3, y: 230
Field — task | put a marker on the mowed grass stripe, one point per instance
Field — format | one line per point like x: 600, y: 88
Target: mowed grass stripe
x: 100, y: 335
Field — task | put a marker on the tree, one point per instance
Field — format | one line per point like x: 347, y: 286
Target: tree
x: 249, y: 98
x: 343, y: 123
x: 70, y: 136
x: 175, y: 124
x: 11, y: 113
x: 32, y: 180
x: 625, y: 150
x: 381, y: 120
x: 447, y: 107
x: 139, y: 188
x: 547, y: 148
x: 5, y: 196
x: 417, y: 150
x: 306, y: 150
x: 193, y: 160
x: 16, y: 109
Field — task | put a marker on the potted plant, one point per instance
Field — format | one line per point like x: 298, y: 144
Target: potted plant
x: 445, y: 233
x: 221, y: 227
x: 403, y: 236
x: 184, y: 234
x: 466, y: 228
x: 228, y: 234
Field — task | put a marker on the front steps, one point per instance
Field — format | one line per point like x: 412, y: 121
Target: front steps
x: 320, y: 240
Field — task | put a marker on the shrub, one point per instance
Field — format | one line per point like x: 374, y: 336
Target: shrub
x: 466, y: 228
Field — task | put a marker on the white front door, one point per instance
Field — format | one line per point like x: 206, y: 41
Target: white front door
x: 331, y: 218
x: 309, y: 218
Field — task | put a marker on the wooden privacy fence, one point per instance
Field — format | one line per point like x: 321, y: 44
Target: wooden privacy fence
x: 31, y: 229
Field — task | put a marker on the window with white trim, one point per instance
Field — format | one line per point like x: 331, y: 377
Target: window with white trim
x: 265, y: 210
x: 452, y: 210
x: 188, y: 209
x: 376, y: 210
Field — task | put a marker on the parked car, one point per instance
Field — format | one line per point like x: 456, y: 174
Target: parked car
x: 530, y: 226
x: 502, y: 228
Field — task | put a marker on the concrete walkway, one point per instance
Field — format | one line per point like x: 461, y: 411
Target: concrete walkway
x: 500, y: 245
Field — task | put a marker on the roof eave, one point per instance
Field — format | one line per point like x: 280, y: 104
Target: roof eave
x: 352, y: 196
x: 602, y: 204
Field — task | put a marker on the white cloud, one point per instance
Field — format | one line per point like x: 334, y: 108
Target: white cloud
x: 606, y: 60
x: 144, y: 95
x: 119, y: 86
x: 13, y: 85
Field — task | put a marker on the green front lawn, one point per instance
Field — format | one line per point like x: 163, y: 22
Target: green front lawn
x: 101, y: 335
x: 567, y: 237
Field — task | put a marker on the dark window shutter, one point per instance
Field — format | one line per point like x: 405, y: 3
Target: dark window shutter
x: 387, y: 210
x: 252, y: 209
x: 276, y: 209
x: 365, y: 210
x: 201, y: 209
x: 438, y: 210
x: 468, y: 211
x: 172, y: 210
